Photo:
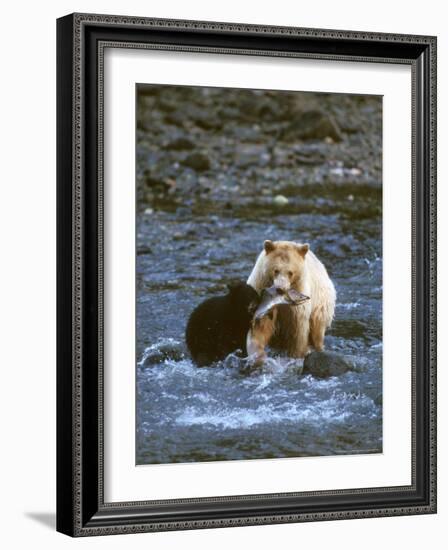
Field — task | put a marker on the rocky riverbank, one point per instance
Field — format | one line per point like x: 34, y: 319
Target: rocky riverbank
x: 199, y: 147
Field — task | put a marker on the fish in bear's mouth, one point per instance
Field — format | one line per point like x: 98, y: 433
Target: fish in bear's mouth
x: 273, y: 296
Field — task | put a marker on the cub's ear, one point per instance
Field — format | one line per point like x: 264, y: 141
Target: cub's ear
x: 303, y: 249
x: 269, y: 246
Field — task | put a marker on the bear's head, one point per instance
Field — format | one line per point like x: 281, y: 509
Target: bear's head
x: 284, y: 264
x: 245, y: 298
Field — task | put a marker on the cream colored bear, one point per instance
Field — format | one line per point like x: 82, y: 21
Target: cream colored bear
x: 286, y: 264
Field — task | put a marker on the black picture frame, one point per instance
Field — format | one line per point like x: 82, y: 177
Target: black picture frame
x: 81, y: 510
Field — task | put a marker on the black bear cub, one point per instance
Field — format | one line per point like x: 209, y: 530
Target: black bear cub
x: 219, y: 326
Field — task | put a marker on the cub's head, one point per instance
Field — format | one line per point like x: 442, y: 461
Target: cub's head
x: 243, y: 297
x: 284, y: 264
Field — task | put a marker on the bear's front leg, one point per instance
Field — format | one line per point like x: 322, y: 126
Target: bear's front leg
x: 300, y: 348
x: 317, y: 333
x: 258, y: 337
x: 299, y: 343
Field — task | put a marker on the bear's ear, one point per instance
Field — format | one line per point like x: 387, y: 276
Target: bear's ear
x: 303, y: 249
x: 269, y: 246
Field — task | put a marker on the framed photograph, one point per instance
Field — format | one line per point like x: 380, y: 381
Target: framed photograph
x: 246, y: 274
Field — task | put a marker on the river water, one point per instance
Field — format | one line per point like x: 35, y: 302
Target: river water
x: 189, y: 414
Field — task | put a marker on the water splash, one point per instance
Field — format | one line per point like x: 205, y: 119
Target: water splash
x: 231, y: 413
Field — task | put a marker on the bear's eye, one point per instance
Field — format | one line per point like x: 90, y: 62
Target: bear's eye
x: 276, y: 272
x: 290, y: 274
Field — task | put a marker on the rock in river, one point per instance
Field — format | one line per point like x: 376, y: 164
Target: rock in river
x: 168, y: 349
x: 324, y: 364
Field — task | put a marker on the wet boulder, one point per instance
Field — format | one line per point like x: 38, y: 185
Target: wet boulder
x: 324, y: 364
x: 163, y: 351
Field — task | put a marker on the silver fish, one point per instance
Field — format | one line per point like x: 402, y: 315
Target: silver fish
x: 272, y: 296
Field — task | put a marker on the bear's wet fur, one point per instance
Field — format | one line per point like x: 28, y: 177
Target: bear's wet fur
x: 285, y: 265
x: 219, y: 326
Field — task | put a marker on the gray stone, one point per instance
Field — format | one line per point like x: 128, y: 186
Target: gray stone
x: 324, y: 364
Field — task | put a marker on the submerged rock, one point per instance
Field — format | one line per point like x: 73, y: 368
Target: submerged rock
x: 324, y: 364
x: 169, y: 349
